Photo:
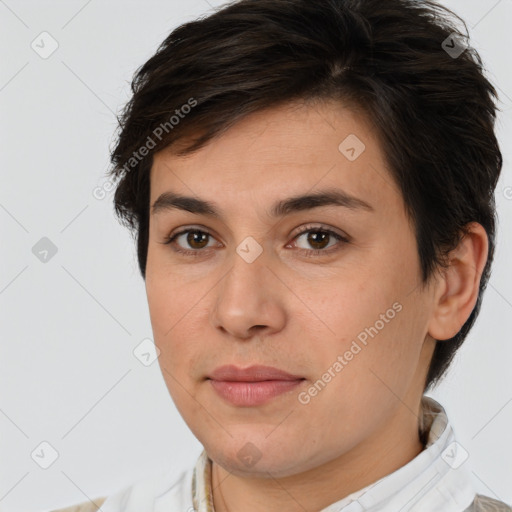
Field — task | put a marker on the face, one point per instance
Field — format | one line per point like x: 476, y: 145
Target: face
x: 326, y: 289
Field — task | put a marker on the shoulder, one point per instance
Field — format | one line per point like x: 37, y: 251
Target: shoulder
x: 88, y: 506
x: 486, y: 504
x: 160, y: 487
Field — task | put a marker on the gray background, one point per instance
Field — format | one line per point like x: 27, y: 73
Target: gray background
x: 69, y: 325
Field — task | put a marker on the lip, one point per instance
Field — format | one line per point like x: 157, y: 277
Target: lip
x: 249, y: 387
x: 255, y: 373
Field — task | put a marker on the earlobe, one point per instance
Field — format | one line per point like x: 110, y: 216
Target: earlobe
x: 458, y: 286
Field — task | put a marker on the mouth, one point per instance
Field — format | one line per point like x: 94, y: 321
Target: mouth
x: 252, y: 386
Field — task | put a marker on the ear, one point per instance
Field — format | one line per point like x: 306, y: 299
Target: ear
x: 457, y: 290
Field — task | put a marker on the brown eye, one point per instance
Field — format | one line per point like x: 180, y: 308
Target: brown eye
x: 192, y: 241
x: 196, y: 237
x: 317, y: 239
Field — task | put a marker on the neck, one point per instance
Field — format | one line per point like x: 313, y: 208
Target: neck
x: 392, y: 446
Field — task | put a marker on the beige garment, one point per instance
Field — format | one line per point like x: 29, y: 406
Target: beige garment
x: 481, y: 504
x: 88, y: 506
x: 485, y: 504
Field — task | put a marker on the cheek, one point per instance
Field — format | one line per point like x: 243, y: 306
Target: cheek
x: 371, y: 316
x: 168, y: 297
x: 179, y: 316
x: 350, y: 303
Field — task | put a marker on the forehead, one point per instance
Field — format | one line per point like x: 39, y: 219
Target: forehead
x: 290, y: 149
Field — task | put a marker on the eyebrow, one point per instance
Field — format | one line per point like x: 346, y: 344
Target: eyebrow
x: 329, y: 197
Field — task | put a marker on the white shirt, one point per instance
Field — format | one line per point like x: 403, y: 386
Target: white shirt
x: 437, y: 479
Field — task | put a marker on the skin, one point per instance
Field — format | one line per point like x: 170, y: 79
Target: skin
x: 299, y: 313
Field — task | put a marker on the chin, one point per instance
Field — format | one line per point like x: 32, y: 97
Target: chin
x: 259, y: 456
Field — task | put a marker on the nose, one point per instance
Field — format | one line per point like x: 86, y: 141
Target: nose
x: 249, y: 299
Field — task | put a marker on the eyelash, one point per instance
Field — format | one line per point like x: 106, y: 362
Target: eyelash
x: 307, y: 252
